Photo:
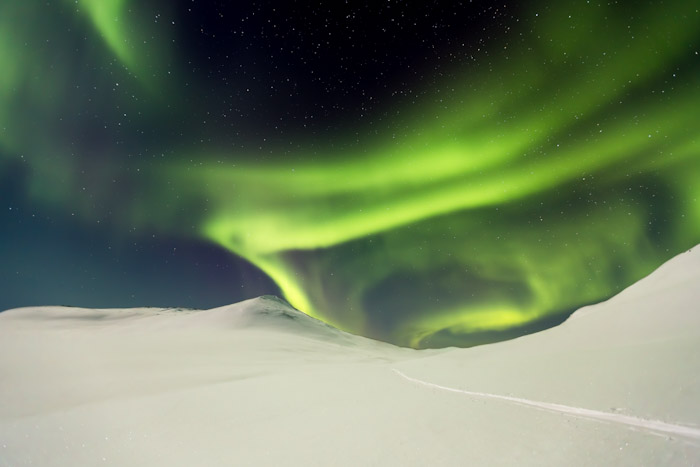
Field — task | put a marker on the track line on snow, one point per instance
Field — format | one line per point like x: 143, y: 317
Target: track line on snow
x: 650, y: 425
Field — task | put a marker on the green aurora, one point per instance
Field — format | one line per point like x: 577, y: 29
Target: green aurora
x: 561, y: 169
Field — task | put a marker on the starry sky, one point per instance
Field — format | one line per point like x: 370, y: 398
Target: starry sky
x: 425, y: 173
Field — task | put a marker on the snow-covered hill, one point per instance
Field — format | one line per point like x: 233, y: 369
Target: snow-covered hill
x: 259, y: 383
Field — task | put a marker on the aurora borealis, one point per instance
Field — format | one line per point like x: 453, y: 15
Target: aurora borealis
x: 428, y: 175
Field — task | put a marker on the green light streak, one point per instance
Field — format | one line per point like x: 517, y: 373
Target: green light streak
x: 594, y: 249
x: 593, y: 118
x: 121, y: 25
x: 106, y: 17
x: 286, y: 203
x: 491, y: 318
x: 548, y: 175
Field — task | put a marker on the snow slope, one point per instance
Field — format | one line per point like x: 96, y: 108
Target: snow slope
x: 258, y: 383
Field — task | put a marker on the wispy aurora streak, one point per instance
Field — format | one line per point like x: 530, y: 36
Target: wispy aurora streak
x: 556, y: 172
x: 530, y: 196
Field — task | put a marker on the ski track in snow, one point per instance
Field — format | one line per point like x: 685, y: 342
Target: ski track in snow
x: 645, y: 424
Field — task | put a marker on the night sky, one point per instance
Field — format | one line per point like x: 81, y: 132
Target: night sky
x: 426, y: 173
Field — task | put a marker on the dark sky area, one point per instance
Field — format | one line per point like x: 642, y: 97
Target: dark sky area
x: 426, y: 173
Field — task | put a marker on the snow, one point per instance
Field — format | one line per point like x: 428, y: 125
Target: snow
x: 258, y: 383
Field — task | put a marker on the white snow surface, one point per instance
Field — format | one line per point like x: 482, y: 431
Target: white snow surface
x: 258, y: 383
